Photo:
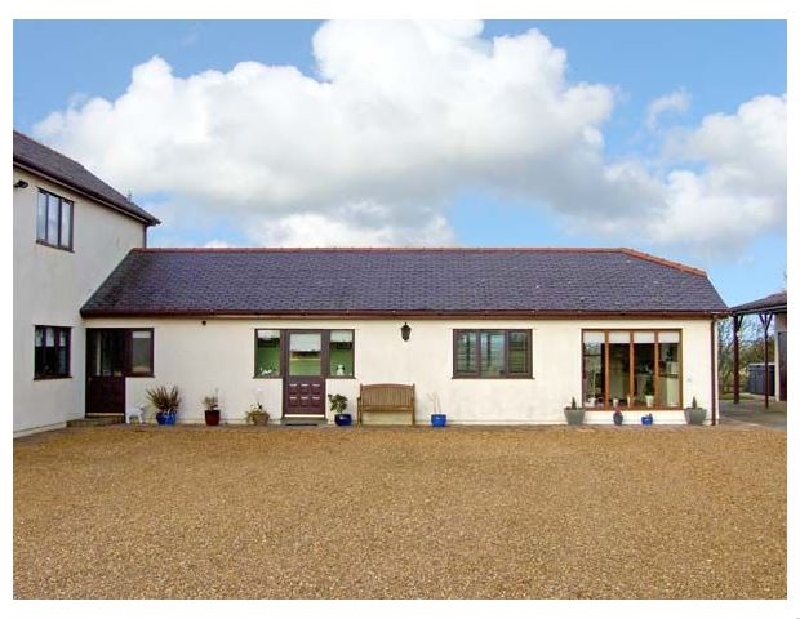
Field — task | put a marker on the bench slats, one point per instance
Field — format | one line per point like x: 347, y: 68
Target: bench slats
x: 385, y: 398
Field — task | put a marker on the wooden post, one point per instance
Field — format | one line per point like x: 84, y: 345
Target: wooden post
x: 737, y: 324
x: 766, y: 318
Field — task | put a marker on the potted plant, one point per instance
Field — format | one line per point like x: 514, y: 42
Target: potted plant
x: 647, y: 420
x: 695, y: 415
x: 211, y: 406
x: 438, y: 418
x: 256, y: 415
x: 166, y: 402
x: 339, y: 403
x: 574, y: 414
x: 617, y: 416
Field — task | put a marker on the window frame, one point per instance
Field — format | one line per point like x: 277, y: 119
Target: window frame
x: 281, y: 340
x: 44, y: 239
x: 57, y: 330
x: 129, y: 373
x: 505, y: 375
x: 127, y: 352
x: 283, y: 351
x: 607, y: 404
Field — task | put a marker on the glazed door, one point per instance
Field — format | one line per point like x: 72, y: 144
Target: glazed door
x: 304, y: 384
x: 105, y: 371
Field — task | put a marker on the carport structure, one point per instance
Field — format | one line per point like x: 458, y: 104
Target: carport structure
x: 768, y: 308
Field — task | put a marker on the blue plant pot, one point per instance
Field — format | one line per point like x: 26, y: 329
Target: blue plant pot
x: 647, y: 421
x: 439, y: 420
x: 343, y: 419
x: 166, y: 418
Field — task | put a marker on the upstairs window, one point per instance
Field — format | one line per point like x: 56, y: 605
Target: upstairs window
x: 51, y: 352
x: 54, y: 216
x: 492, y: 353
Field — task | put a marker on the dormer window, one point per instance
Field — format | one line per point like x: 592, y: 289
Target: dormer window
x: 54, y: 220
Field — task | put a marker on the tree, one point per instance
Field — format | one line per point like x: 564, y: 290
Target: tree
x: 751, y: 350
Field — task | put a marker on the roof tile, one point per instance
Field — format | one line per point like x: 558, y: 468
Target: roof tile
x: 275, y: 281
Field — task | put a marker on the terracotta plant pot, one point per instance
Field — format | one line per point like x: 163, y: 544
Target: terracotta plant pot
x: 259, y: 419
x: 212, y: 417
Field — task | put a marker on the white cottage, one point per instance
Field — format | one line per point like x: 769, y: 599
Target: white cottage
x: 499, y: 336
x: 70, y: 231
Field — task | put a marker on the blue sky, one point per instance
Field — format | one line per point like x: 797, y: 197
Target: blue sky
x: 664, y: 136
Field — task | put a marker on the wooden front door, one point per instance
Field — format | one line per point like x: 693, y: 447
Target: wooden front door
x: 105, y: 371
x: 304, y: 383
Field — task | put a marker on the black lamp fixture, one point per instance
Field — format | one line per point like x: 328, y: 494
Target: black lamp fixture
x: 20, y: 184
x: 405, y: 332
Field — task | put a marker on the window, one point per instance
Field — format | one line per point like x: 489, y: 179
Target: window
x: 304, y: 352
x: 492, y: 353
x: 141, y: 352
x: 120, y: 352
x: 51, y: 352
x: 268, y: 353
x: 340, y: 353
x: 632, y: 369
x: 54, y: 220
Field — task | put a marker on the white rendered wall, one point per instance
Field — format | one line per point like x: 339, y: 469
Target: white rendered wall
x: 220, y: 354
x: 50, y: 285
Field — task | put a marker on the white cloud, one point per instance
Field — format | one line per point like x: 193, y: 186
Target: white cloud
x: 740, y: 189
x: 218, y: 244
x: 403, y: 116
x: 677, y: 101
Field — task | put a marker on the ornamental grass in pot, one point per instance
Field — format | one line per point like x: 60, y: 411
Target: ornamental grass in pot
x: 166, y: 401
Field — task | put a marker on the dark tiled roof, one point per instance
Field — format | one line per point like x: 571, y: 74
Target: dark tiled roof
x: 776, y: 301
x: 404, y: 281
x: 38, y: 158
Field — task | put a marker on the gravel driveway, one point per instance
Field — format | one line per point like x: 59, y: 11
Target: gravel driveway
x: 464, y: 513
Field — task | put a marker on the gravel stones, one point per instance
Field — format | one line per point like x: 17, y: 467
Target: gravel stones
x: 400, y: 513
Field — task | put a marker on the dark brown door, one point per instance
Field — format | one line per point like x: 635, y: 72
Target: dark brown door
x: 105, y: 371
x: 304, y: 383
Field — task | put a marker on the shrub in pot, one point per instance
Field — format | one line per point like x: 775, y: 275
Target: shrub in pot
x: 166, y: 402
x: 338, y: 403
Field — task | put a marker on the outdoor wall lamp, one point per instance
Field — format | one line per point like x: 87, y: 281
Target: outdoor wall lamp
x: 20, y: 184
x: 405, y: 332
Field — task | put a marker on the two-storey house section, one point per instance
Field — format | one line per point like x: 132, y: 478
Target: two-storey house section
x: 71, y: 230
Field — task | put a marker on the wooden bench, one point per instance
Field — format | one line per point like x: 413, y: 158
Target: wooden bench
x: 385, y: 399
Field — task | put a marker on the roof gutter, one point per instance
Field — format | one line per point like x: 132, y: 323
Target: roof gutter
x: 386, y: 314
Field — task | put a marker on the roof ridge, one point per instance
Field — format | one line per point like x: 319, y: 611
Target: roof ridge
x: 381, y: 249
